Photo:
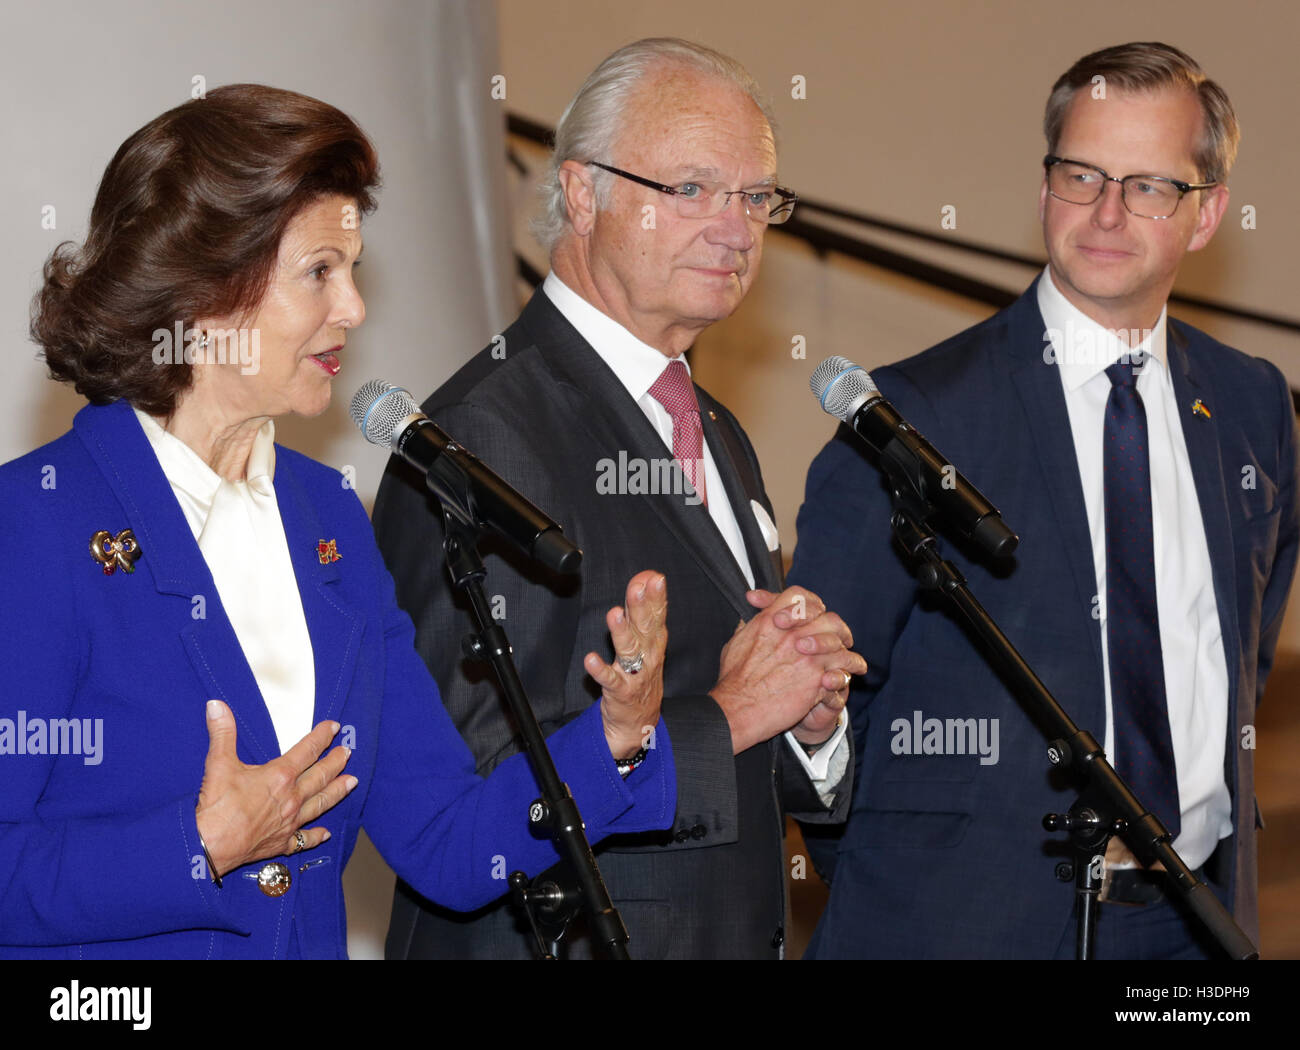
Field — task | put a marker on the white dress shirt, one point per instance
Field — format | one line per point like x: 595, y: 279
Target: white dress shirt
x: 241, y: 537
x: 1191, y: 642
x: 637, y: 365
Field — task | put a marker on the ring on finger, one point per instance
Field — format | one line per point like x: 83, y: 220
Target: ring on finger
x: 632, y: 664
x: 848, y: 678
x: 299, y: 841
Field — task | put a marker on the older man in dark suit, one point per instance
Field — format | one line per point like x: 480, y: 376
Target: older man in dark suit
x: 661, y: 187
x: 1151, y: 473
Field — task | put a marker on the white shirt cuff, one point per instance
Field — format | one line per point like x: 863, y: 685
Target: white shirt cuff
x: 827, y: 766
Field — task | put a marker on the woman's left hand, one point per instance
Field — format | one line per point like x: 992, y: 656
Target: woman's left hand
x: 630, y: 699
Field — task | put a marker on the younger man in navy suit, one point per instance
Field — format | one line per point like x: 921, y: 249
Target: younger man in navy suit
x: 1151, y: 474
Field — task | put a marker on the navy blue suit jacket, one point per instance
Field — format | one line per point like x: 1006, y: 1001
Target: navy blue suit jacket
x: 945, y: 856
x: 99, y: 854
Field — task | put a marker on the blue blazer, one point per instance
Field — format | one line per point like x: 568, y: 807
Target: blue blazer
x: 945, y: 856
x: 99, y: 854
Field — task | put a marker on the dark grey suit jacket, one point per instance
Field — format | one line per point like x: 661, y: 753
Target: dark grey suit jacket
x: 549, y: 416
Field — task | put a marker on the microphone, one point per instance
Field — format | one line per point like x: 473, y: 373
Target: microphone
x: 388, y: 415
x: 848, y: 393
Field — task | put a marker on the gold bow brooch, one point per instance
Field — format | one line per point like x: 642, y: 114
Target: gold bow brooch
x: 117, y: 551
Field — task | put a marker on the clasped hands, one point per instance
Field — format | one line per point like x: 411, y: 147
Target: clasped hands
x: 788, y: 668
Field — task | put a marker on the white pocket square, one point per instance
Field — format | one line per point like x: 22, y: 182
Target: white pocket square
x: 766, y: 526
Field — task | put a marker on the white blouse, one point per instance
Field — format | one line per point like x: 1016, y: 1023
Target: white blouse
x: 241, y: 537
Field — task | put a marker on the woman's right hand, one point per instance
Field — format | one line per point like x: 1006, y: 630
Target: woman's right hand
x: 248, y: 813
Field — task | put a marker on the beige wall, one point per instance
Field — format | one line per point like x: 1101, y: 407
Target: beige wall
x: 910, y: 108
x: 897, y: 93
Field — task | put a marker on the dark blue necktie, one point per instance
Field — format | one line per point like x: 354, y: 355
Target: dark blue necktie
x: 1145, y: 749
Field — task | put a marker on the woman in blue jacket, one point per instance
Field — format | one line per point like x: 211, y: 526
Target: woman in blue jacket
x: 188, y: 599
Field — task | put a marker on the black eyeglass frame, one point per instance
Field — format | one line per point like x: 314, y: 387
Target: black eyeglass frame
x: 1183, y: 188
x: 788, y: 198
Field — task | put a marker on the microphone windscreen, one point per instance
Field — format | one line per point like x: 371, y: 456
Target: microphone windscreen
x: 379, y: 408
x: 841, y: 387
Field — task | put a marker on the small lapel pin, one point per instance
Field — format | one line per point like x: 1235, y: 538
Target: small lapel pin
x: 713, y: 415
x: 1199, y: 406
x: 114, y: 552
x: 328, y: 551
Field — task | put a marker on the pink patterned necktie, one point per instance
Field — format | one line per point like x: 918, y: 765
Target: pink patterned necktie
x: 673, y: 390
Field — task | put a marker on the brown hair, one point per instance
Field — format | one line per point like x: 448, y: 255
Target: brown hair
x: 1151, y: 67
x: 187, y: 224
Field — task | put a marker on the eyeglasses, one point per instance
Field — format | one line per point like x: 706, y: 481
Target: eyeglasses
x: 1146, y: 196
x: 703, y: 200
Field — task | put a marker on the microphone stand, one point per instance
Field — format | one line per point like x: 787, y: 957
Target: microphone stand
x: 550, y: 903
x: 1106, y: 806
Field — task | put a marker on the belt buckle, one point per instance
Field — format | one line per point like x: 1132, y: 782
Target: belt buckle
x: 1106, y: 878
x: 1140, y: 887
